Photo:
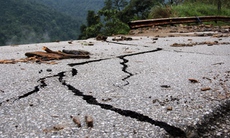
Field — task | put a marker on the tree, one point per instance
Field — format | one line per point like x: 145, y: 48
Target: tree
x: 115, y: 15
x: 138, y: 9
x: 120, y: 4
x: 93, y: 26
x: 92, y: 18
x: 108, y: 5
x: 219, y: 5
x: 112, y: 24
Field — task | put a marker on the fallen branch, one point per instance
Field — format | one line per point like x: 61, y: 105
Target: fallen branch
x: 40, y: 56
x: 52, y: 55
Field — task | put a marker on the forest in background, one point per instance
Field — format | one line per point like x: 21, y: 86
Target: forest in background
x: 36, y: 21
x: 75, y: 8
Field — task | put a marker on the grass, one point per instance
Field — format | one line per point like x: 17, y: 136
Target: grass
x: 189, y: 10
x: 199, y: 9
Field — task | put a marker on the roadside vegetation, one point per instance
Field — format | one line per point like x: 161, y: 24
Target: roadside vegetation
x: 113, y: 18
x: 189, y: 8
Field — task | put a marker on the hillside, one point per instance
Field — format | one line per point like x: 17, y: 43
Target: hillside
x: 75, y: 8
x: 26, y: 21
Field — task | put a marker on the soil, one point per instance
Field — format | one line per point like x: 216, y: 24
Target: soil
x: 181, y: 30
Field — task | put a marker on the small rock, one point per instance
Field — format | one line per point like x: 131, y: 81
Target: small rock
x: 171, y: 35
x: 154, y: 101
x: 58, y: 127
x: 101, y: 37
x: 205, y: 89
x: 90, y: 44
x: 106, y: 99
x: 209, y: 44
x: 193, y: 80
x: 219, y: 134
x: 76, y: 120
x: 49, y: 70
x: 89, y: 121
x: 169, y: 108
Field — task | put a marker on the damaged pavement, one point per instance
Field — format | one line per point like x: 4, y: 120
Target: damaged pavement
x: 140, y: 87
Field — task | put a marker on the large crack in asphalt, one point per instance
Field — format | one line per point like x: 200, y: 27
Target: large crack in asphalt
x: 121, y: 56
x: 124, y: 69
x: 125, y: 61
x: 36, y: 89
x: 74, y: 72
x: 172, y: 130
x: 86, y: 62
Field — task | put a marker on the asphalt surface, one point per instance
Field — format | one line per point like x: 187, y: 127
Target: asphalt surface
x: 137, y: 88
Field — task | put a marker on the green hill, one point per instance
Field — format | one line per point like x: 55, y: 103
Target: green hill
x: 75, y: 8
x: 26, y: 21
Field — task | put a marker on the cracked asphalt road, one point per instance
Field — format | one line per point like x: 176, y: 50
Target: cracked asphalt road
x: 122, y: 87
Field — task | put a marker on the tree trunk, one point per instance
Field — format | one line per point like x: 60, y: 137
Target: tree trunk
x: 219, y: 5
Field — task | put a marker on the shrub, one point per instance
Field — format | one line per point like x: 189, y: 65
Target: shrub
x: 161, y: 12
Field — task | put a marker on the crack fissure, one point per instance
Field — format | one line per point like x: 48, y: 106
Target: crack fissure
x: 38, y: 87
x: 127, y: 44
x: 125, y: 61
x: 172, y: 130
x: 124, y: 69
x: 177, y: 51
x: 86, y: 62
x: 127, y: 55
x: 121, y: 43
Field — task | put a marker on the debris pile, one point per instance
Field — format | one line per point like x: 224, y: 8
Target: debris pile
x: 183, y: 30
x: 40, y: 56
x: 208, y: 43
x: 122, y: 38
x: 101, y: 38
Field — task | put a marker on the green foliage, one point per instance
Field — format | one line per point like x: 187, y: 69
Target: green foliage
x: 137, y: 9
x: 92, y: 18
x: 25, y: 21
x: 91, y: 31
x: 199, y: 9
x: 112, y: 24
x: 189, y: 8
x: 115, y: 15
x: 161, y: 12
